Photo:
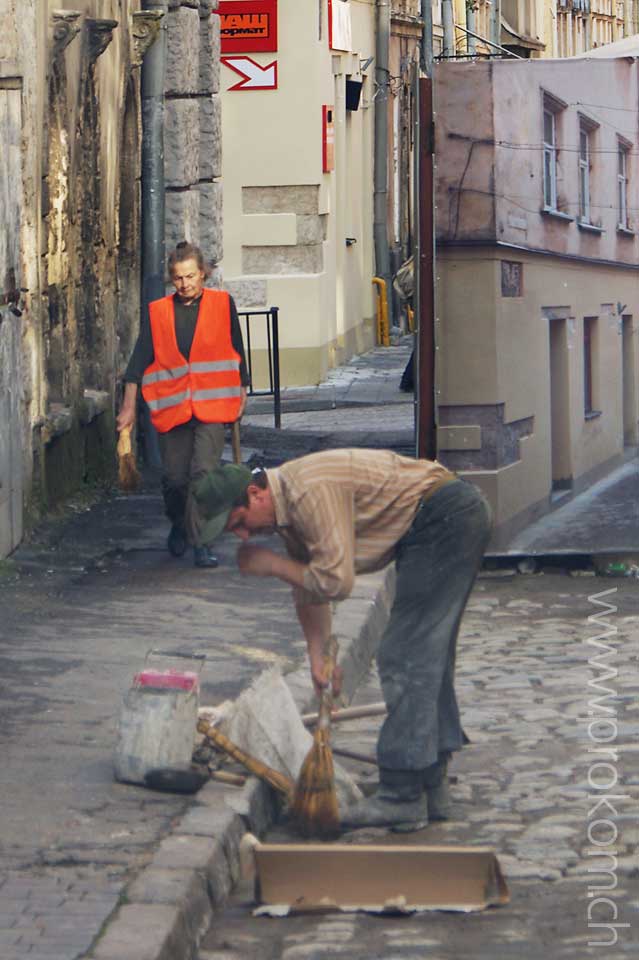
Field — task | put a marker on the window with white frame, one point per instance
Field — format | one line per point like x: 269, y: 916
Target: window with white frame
x: 585, y: 151
x: 623, y: 155
x: 550, y: 158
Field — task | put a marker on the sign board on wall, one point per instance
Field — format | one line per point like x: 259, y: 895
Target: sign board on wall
x: 328, y: 138
x: 254, y: 75
x: 340, y: 31
x: 248, y: 26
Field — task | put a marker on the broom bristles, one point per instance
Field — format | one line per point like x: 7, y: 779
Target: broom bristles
x: 315, y: 807
x: 128, y: 475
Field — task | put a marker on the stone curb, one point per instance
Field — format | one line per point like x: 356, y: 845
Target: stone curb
x: 312, y: 439
x: 170, y: 905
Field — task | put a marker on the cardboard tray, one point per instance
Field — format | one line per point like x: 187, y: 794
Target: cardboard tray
x: 375, y: 878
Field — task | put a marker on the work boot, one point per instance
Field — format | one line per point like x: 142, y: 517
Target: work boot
x: 399, y: 803
x: 204, y: 557
x: 437, y: 789
x: 402, y: 816
x: 439, y: 802
x: 176, y: 541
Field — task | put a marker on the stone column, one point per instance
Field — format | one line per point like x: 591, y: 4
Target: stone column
x: 192, y: 127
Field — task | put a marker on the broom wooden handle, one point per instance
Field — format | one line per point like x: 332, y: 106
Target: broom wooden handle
x: 277, y: 780
x: 235, y: 442
x: 326, y: 697
x: 348, y: 713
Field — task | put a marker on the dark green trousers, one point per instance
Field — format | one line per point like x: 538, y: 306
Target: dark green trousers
x: 189, y: 452
x: 437, y: 561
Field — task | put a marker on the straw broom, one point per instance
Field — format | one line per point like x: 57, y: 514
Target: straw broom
x: 314, y: 806
x: 128, y: 476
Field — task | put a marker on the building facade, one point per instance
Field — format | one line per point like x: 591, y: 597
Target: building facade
x: 537, y: 196
x: 70, y: 223
x: 298, y: 128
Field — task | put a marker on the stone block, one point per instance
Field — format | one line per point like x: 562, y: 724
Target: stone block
x: 182, y: 217
x: 186, y: 889
x: 247, y: 293
x: 182, y: 143
x: 144, y: 932
x: 210, y: 137
x: 311, y: 229
x: 283, y: 260
x: 205, y: 854
x: 210, y: 227
x: 214, y: 281
x: 224, y: 825
x: 209, y: 55
x: 183, y: 51
x: 302, y: 200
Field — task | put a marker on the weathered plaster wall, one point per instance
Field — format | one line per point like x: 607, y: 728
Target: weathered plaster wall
x: 78, y: 139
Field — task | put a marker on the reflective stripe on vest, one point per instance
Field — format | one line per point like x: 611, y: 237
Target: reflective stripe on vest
x: 215, y: 366
x: 173, y: 401
x: 160, y: 375
x: 222, y: 393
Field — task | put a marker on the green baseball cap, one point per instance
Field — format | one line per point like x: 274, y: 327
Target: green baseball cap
x: 217, y: 492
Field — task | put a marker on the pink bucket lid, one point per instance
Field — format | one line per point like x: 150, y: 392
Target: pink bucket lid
x: 172, y: 679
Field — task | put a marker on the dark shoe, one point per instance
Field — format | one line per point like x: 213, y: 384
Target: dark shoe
x: 402, y: 816
x: 176, y: 541
x: 203, y: 557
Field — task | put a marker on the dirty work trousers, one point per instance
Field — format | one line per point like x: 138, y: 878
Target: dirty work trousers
x: 436, y: 561
x: 188, y: 453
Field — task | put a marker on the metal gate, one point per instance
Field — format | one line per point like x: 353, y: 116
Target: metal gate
x: 10, y: 322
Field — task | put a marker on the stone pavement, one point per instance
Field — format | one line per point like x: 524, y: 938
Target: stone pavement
x: 602, y: 520
x: 89, y: 867
x: 98, y: 869
x: 531, y: 785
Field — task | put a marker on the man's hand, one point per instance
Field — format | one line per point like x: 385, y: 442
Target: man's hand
x: 126, y: 416
x: 320, y: 681
x: 258, y: 561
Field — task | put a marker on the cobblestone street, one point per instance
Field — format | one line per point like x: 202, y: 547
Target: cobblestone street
x: 530, y: 785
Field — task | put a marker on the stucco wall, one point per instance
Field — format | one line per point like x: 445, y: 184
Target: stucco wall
x: 286, y: 222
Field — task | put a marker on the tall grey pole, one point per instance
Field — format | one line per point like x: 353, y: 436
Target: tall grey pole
x: 153, y: 249
x: 495, y: 22
x: 426, y: 52
x: 448, y: 24
x: 380, y: 205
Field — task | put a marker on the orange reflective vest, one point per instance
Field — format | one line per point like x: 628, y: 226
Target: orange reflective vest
x: 207, y: 385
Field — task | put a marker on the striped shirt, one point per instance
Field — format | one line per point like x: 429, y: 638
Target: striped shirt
x: 342, y: 512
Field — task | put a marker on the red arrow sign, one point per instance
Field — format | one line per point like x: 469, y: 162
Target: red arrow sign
x: 254, y: 76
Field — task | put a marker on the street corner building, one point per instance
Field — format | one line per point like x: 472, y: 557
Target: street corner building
x: 537, y: 194
x: 71, y: 222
